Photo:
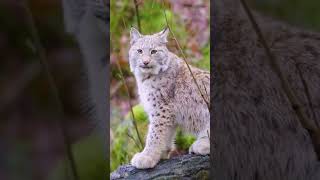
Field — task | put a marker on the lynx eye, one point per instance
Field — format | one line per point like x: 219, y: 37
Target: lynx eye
x: 153, y: 51
x: 139, y: 51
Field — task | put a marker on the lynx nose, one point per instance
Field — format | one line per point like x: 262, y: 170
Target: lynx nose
x: 145, y: 62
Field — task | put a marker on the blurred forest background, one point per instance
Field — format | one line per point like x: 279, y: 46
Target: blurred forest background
x: 189, y: 21
x: 31, y: 144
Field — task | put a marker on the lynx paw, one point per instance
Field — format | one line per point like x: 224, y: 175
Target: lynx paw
x: 200, y: 146
x: 143, y: 161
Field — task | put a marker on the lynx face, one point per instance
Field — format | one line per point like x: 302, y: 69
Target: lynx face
x: 148, y: 54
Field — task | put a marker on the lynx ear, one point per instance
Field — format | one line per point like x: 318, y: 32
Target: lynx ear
x: 134, y: 35
x: 163, y: 35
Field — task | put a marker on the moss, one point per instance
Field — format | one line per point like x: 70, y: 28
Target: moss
x: 204, y: 174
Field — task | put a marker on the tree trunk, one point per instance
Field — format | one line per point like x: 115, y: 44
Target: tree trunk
x: 186, y: 167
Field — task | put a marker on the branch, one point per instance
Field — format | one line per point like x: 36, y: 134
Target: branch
x: 130, y: 103
x: 115, y: 89
x: 128, y: 92
x: 137, y: 15
x: 187, y: 166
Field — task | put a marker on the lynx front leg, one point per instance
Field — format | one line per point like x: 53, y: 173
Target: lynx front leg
x: 170, y: 146
x: 202, y: 144
x: 159, y: 134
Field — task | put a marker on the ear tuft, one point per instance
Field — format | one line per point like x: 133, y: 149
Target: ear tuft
x: 134, y: 35
x: 163, y: 35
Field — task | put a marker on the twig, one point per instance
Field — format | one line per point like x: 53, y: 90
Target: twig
x: 205, y: 89
x: 53, y: 87
x: 134, y: 140
x: 184, y: 58
x: 124, y: 23
x: 130, y: 103
x: 137, y: 15
x: 296, y: 105
x: 115, y: 89
x: 127, y: 90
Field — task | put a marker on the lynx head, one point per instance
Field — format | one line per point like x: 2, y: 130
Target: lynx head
x: 148, y: 54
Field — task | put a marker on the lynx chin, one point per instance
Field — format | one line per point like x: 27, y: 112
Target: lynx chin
x: 170, y: 97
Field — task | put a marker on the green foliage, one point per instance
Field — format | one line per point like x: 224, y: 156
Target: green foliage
x: 153, y: 20
x: 204, y: 63
x: 89, y: 160
x: 151, y: 15
x: 139, y: 114
x: 152, y: 12
x: 118, y: 10
x: 119, y: 149
x: 183, y: 141
x: 125, y: 143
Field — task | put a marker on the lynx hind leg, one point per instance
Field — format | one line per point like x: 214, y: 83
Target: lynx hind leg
x: 170, y: 144
x: 202, y: 144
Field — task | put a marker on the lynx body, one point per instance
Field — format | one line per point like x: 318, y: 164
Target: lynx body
x: 169, y: 96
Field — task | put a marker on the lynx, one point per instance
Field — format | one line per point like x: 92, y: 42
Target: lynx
x: 170, y: 97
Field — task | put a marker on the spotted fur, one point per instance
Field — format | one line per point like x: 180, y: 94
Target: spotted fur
x: 169, y: 96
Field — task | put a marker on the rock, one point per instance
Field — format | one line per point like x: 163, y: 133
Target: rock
x: 186, y: 166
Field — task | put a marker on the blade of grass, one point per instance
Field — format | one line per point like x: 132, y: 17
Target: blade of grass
x: 137, y: 15
x: 130, y: 103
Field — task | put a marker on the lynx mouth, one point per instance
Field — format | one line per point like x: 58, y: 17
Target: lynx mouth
x: 145, y: 67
